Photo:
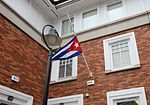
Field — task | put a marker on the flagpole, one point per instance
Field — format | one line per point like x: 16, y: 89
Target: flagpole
x: 87, y: 64
x: 71, y: 24
x: 82, y: 52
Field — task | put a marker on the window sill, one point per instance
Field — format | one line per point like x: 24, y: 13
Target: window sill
x: 63, y: 80
x: 122, y: 68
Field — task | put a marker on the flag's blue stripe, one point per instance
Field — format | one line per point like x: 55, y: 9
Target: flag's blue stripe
x: 64, y: 50
x: 60, y: 55
x: 73, y: 55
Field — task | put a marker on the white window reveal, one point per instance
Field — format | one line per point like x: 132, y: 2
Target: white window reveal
x: 64, y: 70
x: 66, y: 26
x: 9, y: 96
x: 115, y: 11
x: 67, y: 100
x: 134, y: 96
x: 121, y: 53
x: 90, y: 19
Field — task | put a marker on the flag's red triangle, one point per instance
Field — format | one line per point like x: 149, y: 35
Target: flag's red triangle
x: 75, y: 46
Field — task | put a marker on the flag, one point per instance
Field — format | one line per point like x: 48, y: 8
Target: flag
x: 70, y: 50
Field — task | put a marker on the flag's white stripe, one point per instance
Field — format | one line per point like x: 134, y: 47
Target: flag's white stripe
x: 63, y: 50
x: 68, y: 54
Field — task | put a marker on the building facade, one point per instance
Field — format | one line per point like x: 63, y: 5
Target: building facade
x: 20, y: 56
x: 115, y: 39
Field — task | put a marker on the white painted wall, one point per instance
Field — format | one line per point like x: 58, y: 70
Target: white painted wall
x: 131, y: 7
x: 19, y: 97
x: 134, y: 6
x: 146, y: 4
x: 78, y: 22
x: 37, y: 18
x: 29, y: 11
x: 57, y: 24
x: 104, y: 28
x: 44, y: 20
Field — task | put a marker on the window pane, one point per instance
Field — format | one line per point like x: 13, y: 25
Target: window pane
x: 125, y: 58
x: 115, y: 11
x: 116, y: 55
x: 69, y: 70
x: 114, y: 6
x: 89, y: 14
x: 90, y: 19
x: 128, y: 103
x: 125, y: 54
x: 69, y: 67
x: 120, y: 54
x: 61, y: 71
x: 66, y: 27
x: 65, y: 68
x: 116, y: 60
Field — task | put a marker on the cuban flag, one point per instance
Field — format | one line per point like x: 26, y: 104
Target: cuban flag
x: 70, y: 50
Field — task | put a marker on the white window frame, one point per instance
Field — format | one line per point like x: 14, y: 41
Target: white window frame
x: 73, y: 98
x: 67, y: 62
x: 19, y: 97
x: 55, y: 72
x: 134, y: 57
x: 126, y: 94
x: 64, y: 19
x: 97, y: 15
x: 114, y: 2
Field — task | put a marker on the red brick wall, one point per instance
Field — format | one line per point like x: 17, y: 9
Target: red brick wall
x: 20, y: 55
x: 94, y: 53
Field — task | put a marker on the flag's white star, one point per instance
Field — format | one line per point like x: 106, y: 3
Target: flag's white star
x: 76, y: 45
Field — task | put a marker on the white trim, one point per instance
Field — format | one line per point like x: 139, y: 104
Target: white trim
x: 127, y: 93
x: 78, y: 98
x: 134, y: 57
x: 114, y: 26
x: 112, y: 3
x: 55, y: 72
x: 19, y: 97
x: 97, y: 19
x: 92, y: 33
x: 65, y: 19
x: 23, y: 24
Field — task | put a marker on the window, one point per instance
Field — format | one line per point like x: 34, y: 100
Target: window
x: 64, y: 70
x: 90, y: 19
x: 67, y: 100
x: 134, y: 96
x: 66, y: 26
x: 115, y: 11
x: 121, y: 53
